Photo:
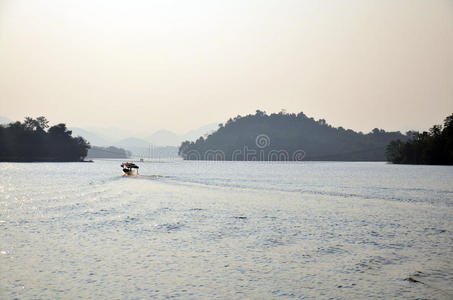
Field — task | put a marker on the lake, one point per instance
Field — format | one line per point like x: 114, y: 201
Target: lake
x: 206, y: 230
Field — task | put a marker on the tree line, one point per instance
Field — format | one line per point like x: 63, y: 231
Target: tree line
x: 288, y: 136
x: 35, y: 140
x: 432, y: 148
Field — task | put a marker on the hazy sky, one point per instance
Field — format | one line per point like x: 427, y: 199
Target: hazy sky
x: 181, y: 64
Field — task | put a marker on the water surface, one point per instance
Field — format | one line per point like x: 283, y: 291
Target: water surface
x: 226, y: 230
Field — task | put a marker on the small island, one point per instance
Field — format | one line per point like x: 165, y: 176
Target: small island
x: 33, y: 141
x: 288, y: 137
x: 429, y: 148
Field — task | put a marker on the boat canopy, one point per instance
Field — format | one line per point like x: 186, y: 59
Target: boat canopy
x: 129, y: 165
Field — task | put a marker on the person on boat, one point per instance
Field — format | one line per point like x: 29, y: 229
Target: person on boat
x: 128, y: 168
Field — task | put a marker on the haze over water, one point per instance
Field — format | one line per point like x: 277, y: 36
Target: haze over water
x: 226, y: 230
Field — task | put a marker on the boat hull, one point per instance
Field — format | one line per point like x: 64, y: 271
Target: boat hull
x: 129, y: 172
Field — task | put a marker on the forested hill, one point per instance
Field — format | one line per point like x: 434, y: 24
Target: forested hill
x: 286, y: 136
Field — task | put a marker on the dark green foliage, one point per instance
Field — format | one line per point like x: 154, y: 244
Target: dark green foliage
x: 431, y: 148
x: 288, y: 135
x: 29, y: 141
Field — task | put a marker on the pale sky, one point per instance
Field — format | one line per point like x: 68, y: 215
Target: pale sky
x: 147, y: 65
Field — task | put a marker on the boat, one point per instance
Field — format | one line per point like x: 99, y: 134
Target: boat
x: 129, y: 168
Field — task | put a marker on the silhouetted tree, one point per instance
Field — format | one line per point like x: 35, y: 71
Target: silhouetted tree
x: 29, y: 141
x: 434, y: 147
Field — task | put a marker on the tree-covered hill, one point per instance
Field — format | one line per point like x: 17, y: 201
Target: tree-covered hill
x: 288, y: 136
x: 430, y: 148
x: 33, y: 140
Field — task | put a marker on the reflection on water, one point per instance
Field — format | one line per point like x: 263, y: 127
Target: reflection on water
x: 226, y: 230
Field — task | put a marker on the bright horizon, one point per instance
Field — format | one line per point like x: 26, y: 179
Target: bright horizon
x: 179, y: 65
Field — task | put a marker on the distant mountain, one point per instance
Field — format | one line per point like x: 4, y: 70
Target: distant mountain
x: 112, y: 134
x: 4, y: 120
x: 132, y: 142
x: 107, y: 152
x: 93, y: 138
x: 164, y: 138
x: 202, y: 131
x: 104, y: 148
x: 168, y: 138
x: 138, y: 147
x: 289, y: 137
x: 163, y: 152
x: 162, y: 142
